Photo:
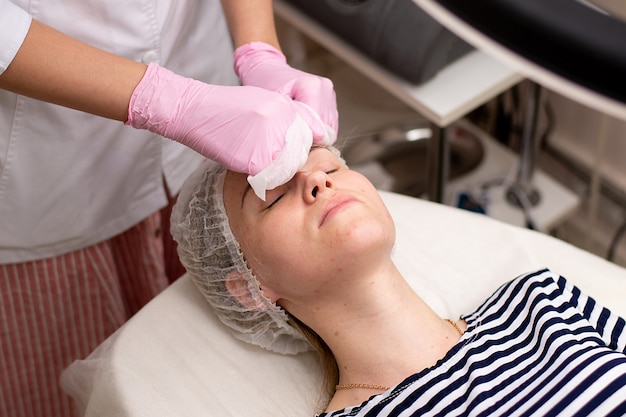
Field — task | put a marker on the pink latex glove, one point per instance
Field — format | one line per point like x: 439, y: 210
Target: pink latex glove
x: 246, y: 129
x: 261, y: 65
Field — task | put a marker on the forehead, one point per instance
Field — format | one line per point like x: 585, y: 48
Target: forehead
x: 235, y: 185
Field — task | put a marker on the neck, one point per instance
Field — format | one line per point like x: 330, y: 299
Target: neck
x: 381, y: 332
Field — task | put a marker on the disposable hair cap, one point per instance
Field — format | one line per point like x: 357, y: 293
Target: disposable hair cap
x: 211, y: 254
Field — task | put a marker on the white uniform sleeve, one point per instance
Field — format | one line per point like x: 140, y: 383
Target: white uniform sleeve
x: 14, y: 24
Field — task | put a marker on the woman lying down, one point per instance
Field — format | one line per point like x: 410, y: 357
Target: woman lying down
x: 311, y: 266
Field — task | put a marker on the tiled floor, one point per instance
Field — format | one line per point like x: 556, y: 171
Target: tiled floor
x: 365, y: 110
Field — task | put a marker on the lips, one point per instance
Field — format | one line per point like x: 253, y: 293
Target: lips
x: 334, y: 205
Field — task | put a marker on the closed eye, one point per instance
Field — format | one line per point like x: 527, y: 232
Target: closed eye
x: 274, y: 202
x: 332, y: 171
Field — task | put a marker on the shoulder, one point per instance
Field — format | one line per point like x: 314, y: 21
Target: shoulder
x: 522, y: 294
x: 524, y: 286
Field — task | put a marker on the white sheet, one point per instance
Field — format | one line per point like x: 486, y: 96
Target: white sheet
x: 174, y: 358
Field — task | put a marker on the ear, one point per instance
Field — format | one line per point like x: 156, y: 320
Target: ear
x: 237, y: 286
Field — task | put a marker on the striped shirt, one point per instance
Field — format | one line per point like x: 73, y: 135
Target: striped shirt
x: 537, y: 347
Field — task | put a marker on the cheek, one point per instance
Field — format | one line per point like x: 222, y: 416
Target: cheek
x: 271, y: 248
x: 362, y: 239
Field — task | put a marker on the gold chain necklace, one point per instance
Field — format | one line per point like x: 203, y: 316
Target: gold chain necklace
x: 364, y: 386
x: 383, y: 387
x: 456, y: 326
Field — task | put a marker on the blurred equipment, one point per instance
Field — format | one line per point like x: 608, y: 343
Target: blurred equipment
x: 394, y: 33
x: 570, y: 47
x: 401, y: 150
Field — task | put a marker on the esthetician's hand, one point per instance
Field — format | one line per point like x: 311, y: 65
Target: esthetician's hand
x: 261, y: 65
x: 246, y: 129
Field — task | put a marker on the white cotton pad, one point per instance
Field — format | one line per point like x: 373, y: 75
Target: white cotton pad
x: 289, y: 160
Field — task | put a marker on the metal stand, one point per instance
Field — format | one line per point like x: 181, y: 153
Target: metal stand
x: 438, y: 163
x: 522, y: 192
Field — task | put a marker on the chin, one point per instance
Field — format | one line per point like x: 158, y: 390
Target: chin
x: 367, y: 238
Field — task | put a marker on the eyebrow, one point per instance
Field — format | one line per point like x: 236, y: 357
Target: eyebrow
x: 248, y: 187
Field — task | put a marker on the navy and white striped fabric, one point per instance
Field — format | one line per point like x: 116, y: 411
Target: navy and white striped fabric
x: 536, y: 347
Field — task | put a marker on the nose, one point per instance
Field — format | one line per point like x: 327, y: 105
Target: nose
x: 315, y: 183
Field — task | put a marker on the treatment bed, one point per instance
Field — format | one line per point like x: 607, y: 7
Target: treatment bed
x: 174, y: 358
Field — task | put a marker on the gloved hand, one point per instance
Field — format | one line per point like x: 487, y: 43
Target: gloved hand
x: 261, y: 65
x: 246, y: 129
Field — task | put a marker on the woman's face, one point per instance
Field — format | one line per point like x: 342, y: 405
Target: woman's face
x: 326, y: 224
